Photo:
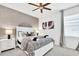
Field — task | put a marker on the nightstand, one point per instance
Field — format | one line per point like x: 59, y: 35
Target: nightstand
x: 6, y: 44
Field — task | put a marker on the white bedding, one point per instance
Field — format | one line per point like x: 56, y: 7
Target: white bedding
x: 34, y: 47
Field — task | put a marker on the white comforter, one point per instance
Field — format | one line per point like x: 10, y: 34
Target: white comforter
x: 29, y: 45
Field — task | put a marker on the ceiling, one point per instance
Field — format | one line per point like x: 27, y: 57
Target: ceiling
x: 27, y: 9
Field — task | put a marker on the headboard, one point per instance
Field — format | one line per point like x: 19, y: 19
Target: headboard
x: 23, y: 31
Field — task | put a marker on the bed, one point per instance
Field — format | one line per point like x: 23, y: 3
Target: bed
x: 37, y: 48
x: 32, y: 47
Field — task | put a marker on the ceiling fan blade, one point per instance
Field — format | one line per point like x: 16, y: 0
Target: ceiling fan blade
x: 33, y: 4
x: 41, y: 10
x: 35, y: 9
x: 46, y: 4
x: 47, y: 8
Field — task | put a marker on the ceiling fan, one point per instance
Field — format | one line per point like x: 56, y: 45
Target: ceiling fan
x: 41, y: 6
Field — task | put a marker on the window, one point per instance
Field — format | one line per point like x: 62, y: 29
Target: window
x: 71, y: 25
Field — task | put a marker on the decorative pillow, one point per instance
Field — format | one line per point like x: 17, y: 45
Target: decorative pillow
x: 18, y: 42
x: 45, y: 36
x: 35, y: 39
x: 40, y: 37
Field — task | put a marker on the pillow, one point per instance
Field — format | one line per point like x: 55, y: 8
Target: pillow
x: 18, y: 42
x: 40, y: 37
x: 45, y: 36
x: 35, y: 39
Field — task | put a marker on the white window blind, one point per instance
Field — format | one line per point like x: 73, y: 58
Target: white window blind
x: 71, y: 25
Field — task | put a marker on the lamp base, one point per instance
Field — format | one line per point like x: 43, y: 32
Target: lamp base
x: 9, y: 36
x: 37, y: 34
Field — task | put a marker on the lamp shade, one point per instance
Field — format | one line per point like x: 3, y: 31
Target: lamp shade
x: 36, y: 30
x: 9, y: 31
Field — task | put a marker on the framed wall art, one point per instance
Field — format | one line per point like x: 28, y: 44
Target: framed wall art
x: 44, y: 25
x: 50, y: 24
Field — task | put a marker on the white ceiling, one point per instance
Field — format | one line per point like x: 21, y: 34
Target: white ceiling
x: 27, y: 9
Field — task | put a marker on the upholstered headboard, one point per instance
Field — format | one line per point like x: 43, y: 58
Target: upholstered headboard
x: 23, y: 31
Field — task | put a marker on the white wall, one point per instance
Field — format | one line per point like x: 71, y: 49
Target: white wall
x: 54, y: 33
x: 72, y: 11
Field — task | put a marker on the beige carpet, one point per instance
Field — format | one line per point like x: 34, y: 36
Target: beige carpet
x: 59, y: 51
x: 56, y: 51
x: 13, y: 52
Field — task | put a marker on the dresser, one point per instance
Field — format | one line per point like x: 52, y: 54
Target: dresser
x: 6, y: 44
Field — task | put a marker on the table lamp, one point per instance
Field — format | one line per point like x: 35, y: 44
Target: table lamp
x: 9, y: 32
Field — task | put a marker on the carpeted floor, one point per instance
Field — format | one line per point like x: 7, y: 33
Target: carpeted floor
x: 59, y: 51
x: 56, y: 51
x: 13, y: 52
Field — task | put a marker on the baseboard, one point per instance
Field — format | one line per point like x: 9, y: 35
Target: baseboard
x: 6, y: 50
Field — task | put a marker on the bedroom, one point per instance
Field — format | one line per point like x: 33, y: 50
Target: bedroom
x: 17, y: 20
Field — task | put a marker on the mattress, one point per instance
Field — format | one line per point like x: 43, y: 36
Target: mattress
x: 41, y: 42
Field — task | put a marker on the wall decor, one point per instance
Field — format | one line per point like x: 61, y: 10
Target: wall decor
x: 44, y: 25
x: 50, y: 24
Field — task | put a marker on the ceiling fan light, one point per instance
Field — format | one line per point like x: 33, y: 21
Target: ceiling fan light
x: 40, y: 7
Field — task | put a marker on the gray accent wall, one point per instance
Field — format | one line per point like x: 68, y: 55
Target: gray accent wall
x: 13, y: 18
